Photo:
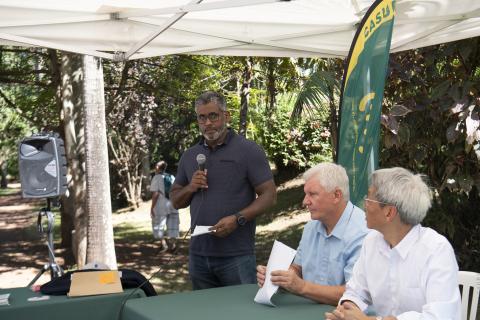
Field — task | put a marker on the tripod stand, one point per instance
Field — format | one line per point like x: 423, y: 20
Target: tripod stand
x: 55, y: 270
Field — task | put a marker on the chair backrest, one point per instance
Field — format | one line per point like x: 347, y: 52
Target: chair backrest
x: 469, y: 280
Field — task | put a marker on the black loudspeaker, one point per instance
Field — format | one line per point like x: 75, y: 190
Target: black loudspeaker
x: 43, y: 166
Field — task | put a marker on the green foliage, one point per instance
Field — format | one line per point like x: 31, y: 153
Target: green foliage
x: 27, y: 86
x: 12, y: 129
x: 150, y: 113
x: 27, y: 99
x: 293, y: 145
x: 299, y: 144
x: 319, y: 95
x: 431, y: 126
x: 320, y: 88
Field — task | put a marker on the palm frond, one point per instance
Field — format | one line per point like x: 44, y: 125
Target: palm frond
x: 315, y: 94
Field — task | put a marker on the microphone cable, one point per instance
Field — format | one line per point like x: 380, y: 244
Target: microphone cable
x: 174, y: 253
x: 147, y: 280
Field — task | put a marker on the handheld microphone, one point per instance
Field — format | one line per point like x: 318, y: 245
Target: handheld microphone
x: 201, y: 159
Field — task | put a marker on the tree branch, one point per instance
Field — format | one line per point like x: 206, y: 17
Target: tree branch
x: 13, y: 106
x: 124, y: 78
x: 17, y: 81
x: 8, y: 101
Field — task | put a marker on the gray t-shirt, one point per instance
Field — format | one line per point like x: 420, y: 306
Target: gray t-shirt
x: 234, y: 169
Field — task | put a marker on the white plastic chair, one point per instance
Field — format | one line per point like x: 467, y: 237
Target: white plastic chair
x: 469, y: 280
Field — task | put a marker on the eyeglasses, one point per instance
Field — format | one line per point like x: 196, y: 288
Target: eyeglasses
x: 212, y: 116
x: 365, y: 200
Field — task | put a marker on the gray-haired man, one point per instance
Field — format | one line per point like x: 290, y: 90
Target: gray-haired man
x: 405, y: 271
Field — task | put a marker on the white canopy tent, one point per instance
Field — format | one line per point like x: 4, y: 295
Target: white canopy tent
x: 134, y: 29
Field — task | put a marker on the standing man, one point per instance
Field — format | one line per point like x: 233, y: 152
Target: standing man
x: 162, y: 212
x: 330, y: 243
x: 405, y: 271
x: 235, y: 187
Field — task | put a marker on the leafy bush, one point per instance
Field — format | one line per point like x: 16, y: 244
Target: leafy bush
x: 298, y: 145
x: 432, y: 127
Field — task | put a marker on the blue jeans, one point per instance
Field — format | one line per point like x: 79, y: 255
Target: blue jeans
x: 211, y: 272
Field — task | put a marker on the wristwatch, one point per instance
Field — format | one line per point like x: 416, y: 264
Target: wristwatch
x: 240, y: 219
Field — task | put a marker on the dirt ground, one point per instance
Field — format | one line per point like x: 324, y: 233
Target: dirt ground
x: 23, y: 250
x: 24, y: 253
x: 20, y: 257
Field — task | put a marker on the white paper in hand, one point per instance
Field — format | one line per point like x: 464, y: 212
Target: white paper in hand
x: 201, y: 230
x: 280, y: 259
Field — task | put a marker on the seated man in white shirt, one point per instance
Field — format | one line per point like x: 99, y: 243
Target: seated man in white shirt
x: 405, y: 271
x: 330, y: 243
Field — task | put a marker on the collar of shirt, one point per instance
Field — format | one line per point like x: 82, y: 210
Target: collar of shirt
x: 228, y: 137
x: 341, y: 226
x: 404, y: 246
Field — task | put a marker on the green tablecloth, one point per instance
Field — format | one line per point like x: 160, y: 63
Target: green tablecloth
x: 227, y: 303
x: 101, y: 307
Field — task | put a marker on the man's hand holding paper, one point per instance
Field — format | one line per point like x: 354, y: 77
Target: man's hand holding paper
x: 199, y: 230
x: 289, y: 280
x: 225, y: 226
x: 280, y: 259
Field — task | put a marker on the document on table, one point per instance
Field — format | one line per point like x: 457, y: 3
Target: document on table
x: 280, y: 259
x: 4, y: 299
x: 201, y: 230
x: 90, y: 283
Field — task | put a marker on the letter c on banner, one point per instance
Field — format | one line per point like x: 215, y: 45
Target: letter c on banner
x: 365, y: 100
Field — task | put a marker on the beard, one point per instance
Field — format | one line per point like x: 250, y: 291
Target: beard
x: 213, y: 136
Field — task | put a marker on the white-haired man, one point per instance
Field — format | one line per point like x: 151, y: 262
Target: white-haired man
x: 405, y: 271
x: 330, y: 243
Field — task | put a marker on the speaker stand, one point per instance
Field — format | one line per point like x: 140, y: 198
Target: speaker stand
x: 55, y: 270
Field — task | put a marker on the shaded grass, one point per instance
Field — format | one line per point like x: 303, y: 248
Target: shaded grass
x: 131, y: 232
x: 288, y: 200
x: 264, y: 241
x: 32, y: 231
x: 8, y: 191
x: 137, y: 250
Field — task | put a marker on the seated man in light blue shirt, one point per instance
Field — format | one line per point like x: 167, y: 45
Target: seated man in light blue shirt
x: 330, y: 243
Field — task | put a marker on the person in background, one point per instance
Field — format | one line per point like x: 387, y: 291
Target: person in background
x: 405, y: 271
x: 163, y: 214
x: 330, y: 243
x: 234, y: 188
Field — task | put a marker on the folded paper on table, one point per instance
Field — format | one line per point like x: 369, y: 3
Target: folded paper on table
x: 280, y: 259
x: 95, y: 282
x: 4, y: 299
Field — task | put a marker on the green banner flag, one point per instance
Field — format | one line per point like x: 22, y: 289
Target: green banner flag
x: 362, y: 94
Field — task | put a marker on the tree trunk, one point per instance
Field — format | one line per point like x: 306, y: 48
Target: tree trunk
x: 128, y: 167
x: 333, y: 122
x: 73, y: 120
x: 244, y: 95
x: 3, y: 168
x: 100, y: 244
x: 67, y: 207
x: 271, y: 88
x: 146, y: 194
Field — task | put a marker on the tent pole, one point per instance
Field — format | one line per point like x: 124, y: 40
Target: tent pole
x: 157, y: 32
